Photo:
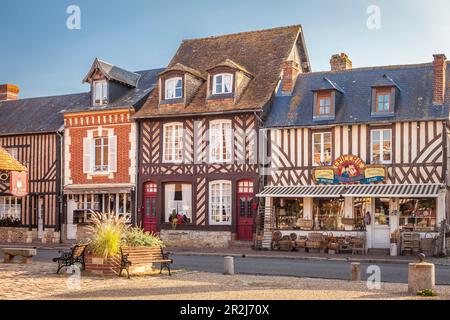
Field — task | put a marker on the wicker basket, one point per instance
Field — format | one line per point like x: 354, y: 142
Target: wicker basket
x: 301, y: 243
x: 285, y: 245
x: 305, y: 224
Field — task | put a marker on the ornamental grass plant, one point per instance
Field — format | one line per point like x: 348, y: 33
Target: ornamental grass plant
x: 107, y: 234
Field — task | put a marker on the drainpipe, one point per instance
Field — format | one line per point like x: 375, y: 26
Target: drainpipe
x: 60, y: 216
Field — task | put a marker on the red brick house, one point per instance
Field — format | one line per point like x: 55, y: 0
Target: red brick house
x: 100, y: 146
x: 198, y: 132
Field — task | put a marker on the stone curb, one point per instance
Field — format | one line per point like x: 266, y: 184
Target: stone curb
x: 260, y: 256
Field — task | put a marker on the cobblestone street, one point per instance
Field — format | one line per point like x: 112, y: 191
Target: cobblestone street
x: 38, y: 281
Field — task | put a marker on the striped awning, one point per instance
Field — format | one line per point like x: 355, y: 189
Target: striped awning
x: 334, y: 191
x: 394, y: 190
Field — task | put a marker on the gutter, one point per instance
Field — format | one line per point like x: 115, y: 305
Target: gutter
x: 60, y: 134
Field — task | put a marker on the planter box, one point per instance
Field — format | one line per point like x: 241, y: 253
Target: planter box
x: 111, y: 266
x: 102, y: 267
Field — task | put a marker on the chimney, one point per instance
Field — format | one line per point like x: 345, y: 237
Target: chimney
x: 9, y: 92
x: 291, y: 70
x: 439, y: 81
x: 340, y: 62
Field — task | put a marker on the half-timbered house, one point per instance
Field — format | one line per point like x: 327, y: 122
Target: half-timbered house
x: 198, y: 148
x: 31, y: 132
x: 100, y: 146
x: 360, y: 152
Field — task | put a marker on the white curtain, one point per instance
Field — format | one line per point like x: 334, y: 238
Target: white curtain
x: 187, y: 200
x: 169, y: 196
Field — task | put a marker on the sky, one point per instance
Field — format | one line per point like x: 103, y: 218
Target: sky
x: 40, y: 54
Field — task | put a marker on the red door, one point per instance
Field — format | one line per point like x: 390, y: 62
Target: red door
x: 246, y: 210
x: 149, y: 217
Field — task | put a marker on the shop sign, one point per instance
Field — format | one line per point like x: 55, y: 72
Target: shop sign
x: 349, y: 169
x: 4, y: 176
x: 19, y: 184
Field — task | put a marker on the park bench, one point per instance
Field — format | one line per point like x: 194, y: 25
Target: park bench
x: 76, y: 255
x: 26, y: 254
x: 138, y: 256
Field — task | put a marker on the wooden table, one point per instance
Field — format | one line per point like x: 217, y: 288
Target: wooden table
x: 27, y: 254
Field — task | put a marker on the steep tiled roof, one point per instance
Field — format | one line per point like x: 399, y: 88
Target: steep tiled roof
x: 414, y: 101
x: 8, y: 163
x: 183, y: 68
x: 231, y: 64
x: 115, y: 73
x: 38, y: 115
x: 261, y: 53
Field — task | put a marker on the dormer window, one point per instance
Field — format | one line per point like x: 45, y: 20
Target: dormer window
x: 223, y: 83
x: 174, y: 88
x: 383, y: 101
x: 100, y: 93
x: 323, y: 107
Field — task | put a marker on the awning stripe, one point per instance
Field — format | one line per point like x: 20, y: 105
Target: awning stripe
x: 335, y: 191
x: 395, y: 191
x: 303, y: 191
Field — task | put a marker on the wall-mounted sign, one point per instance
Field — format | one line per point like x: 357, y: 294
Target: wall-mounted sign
x: 4, y: 176
x: 19, y: 184
x: 349, y: 169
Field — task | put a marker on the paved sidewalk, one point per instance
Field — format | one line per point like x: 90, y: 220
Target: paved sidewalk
x: 248, y: 252
x: 39, y: 281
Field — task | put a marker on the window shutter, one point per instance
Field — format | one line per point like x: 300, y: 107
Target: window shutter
x: 87, y: 157
x: 112, y: 153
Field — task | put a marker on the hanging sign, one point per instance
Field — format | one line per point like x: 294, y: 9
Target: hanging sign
x: 4, y: 176
x: 19, y: 184
x: 349, y: 169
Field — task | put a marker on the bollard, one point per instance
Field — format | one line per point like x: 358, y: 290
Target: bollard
x: 421, y: 276
x: 229, y: 265
x: 355, y: 271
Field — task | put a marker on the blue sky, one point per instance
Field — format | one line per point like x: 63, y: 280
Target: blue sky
x: 43, y: 57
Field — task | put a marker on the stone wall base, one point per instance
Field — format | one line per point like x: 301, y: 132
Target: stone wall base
x: 196, y: 238
x: 81, y: 231
x: 24, y: 235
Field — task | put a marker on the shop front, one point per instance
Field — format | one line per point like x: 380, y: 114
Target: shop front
x: 82, y: 201
x: 352, y: 200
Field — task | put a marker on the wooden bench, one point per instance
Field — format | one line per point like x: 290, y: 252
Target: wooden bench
x: 136, y: 256
x: 76, y: 255
x: 27, y: 254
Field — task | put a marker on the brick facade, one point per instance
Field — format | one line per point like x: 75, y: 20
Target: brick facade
x: 78, y: 128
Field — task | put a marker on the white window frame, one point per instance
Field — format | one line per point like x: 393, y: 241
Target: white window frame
x: 218, y: 141
x: 173, y: 156
x: 222, y: 90
x: 102, y: 160
x: 322, y: 147
x: 171, y: 84
x: 103, y: 86
x: 221, y: 202
x: 381, y: 131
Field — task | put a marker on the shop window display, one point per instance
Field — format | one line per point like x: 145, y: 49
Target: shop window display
x: 418, y: 214
x: 289, y: 214
x: 360, y: 207
x: 327, y: 213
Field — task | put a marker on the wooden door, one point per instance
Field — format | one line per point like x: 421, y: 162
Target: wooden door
x: 149, y: 214
x: 247, y: 207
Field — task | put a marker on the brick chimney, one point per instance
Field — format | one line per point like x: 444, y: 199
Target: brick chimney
x: 9, y: 92
x: 291, y: 70
x: 440, y: 68
x: 340, y: 62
